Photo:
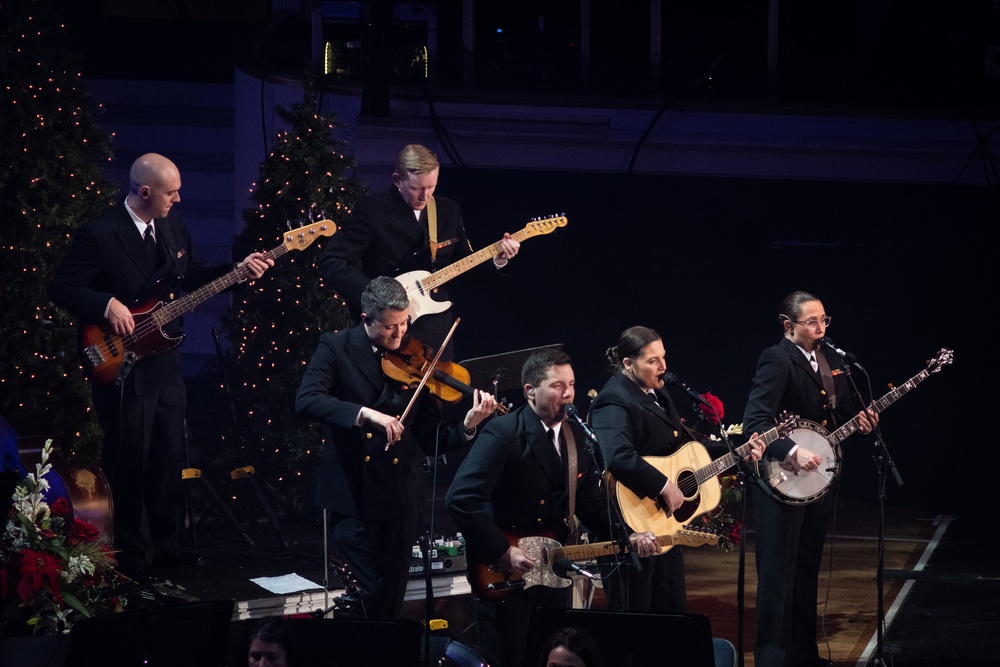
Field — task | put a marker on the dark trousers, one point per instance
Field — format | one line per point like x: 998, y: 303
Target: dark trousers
x: 502, y: 629
x: 789, y: 548
x: 142, y: 458
x: 658, y: 587
x: 378, y: 554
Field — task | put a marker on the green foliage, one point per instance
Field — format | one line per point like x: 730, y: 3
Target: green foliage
x: 275, y: 325
x: 50, y: 182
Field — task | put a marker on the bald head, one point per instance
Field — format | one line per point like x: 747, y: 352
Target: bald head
x: 154, y: 186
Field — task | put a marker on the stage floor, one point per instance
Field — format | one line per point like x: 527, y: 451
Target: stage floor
x: 941, y: 584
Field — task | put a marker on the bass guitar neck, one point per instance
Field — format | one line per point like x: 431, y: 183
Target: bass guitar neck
x: 109, y: 357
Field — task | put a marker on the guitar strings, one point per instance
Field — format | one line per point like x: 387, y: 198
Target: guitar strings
x: 151, y: 324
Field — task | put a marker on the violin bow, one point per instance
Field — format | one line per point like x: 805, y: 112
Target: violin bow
x: 427, y: 374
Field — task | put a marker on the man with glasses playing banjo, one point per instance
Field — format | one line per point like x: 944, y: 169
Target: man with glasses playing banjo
x: 801, y: 377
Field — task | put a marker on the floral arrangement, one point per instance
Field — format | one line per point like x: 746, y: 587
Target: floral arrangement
x: 54, y: 568
x: 720, y: 522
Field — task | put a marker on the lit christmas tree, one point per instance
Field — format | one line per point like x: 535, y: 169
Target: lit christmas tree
x: 275, y: 325
x: 50, y: 183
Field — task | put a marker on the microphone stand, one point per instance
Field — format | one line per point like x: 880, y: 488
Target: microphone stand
x: 743, y: 470
x: 883, y: 464
x: 617, y: 521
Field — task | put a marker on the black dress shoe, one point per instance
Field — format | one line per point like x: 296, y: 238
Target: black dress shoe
x: 178, y: 559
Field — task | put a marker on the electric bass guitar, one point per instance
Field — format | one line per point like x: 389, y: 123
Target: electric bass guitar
x: 494, y: 584
x: 420, y: 285
x: 696, y: 475
x: 804, y: 487
x: 108, y: 357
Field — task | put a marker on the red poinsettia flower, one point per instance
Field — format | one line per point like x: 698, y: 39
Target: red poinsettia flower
x: 714, y: 411
x: 82, y: 531
x: 37, y: 569
x: 60, y: 507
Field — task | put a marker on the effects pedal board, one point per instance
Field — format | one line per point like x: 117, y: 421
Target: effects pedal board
x: 447, y: 557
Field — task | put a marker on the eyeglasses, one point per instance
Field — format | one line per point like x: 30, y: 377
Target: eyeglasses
x: 814, y: 324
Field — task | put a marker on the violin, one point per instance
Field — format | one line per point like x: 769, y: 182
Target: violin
x: 448, y: 381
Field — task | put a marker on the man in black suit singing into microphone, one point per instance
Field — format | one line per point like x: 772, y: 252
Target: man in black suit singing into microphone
x: 514, y: 483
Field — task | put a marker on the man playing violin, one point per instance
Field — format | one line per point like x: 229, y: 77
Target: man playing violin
x: 369, y: 479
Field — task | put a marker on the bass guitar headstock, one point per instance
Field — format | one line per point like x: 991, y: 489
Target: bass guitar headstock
x: 302, y: 238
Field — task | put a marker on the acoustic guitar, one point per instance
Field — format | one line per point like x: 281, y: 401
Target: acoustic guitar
x: 493, y: 584
x: 420, y: 285
x: 108, y: 357
x: 696, y: 475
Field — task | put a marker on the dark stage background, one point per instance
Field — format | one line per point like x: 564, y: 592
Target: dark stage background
x: 903, y: 269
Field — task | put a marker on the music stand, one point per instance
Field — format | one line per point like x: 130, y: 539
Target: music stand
x: 502, y: 371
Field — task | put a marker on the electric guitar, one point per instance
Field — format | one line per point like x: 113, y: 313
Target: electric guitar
x: 696, y: 475
x: 108, y: 357
x: 420, y: 285
x: 493, y: 584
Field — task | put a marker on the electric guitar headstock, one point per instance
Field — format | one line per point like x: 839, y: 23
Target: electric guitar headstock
x: 545, y: 225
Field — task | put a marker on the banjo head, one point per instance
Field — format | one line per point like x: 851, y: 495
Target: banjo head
x: 806, y: 487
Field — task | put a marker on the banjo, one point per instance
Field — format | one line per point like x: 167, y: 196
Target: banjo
x: 805, y: 487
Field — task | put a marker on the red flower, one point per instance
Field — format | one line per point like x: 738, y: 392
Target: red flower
x: 60, y: 507
x: 714, y: 411
x: 37, y: 569
x: 82, y: 531
x: 734, y: 533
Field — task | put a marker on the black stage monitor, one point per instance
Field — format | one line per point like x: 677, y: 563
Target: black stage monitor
x: 630, y: 639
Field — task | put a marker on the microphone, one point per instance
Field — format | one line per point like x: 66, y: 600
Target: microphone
x: 506, y: 585
x: 847, y: 356
x: 670, y: 378
x: 570, y: 410
x: 567, y: 564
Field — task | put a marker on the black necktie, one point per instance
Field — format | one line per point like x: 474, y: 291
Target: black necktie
x: 150, y: 241
x: 557, y: 443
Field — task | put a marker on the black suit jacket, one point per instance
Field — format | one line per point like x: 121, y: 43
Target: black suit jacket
x: 108, y: 258
x: 384, y: 238
x: 513, y: 479
x: 785, y: 381
x: 629, y: 425
x: 359, y: 478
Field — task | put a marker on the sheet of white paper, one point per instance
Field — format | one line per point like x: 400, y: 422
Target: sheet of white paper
x: 286, y: 583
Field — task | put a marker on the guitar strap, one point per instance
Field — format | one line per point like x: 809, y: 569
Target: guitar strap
x: 432, y: 227
x: 571, y: 472
x: 824, y: 371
